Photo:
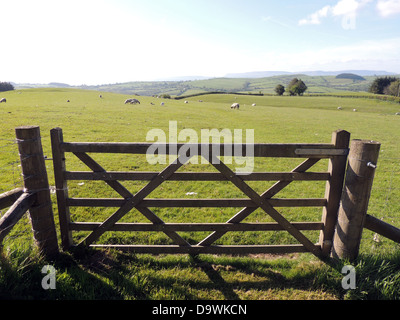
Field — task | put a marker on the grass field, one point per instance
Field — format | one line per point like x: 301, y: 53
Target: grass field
x: 114, y: 275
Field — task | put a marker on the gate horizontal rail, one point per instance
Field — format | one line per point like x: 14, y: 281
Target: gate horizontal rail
x: 89, y: 226
x: 197, y: 176
x: 299, y: 150
x: 207, y: 203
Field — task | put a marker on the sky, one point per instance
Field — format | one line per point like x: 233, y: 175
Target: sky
x: 109, y: 41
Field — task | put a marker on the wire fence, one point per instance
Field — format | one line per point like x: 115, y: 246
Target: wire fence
x: 386, y: 189
x: 11, y: 178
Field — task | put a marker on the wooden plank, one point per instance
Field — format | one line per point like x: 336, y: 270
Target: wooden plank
x: 260, y: 149
x: 381, y: 227
x: 131, y: 203
x: 245, y: 212
x: 8, y: 198
x: 178, y: 203
x: 198, y: 176
x: 322, y: 152
x: 15, y: 213
x: 89, y: 226
x: 194, y: 250
x: 333, y: 191
x: 61, y: 187
x: 247, y: 190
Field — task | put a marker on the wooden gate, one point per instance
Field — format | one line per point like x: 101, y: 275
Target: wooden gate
x: 336, y: 151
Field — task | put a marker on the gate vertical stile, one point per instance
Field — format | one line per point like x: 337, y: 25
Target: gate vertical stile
x: 333, y: 191
x: 61, y: 187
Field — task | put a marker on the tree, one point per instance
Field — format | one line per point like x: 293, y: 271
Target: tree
x: 280, y: 89
x: 379, y: 84
x: 297, y: 87
x: 393, y: 88
x: 6, y: 86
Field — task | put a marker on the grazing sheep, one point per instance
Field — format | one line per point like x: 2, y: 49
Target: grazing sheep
x: 100, y: 96
x: 132, y: 101
x: 339, y: 108
x: 354, y: 110
x: 3, y: 100
x: 397, y: 113
x: 200, y: 100
x: 235, y: 106
x: 253, y: 105
x: 162, y: 103
x: 186, y: 101
x: 68, y: 101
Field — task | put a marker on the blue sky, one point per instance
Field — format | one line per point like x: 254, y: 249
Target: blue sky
x: 108, y: 41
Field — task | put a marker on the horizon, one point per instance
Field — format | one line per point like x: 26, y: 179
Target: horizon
x: 103, y: 42
x: 377, y: 73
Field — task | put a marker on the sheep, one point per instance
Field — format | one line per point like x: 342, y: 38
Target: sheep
x: 186, y: 101
x: 397, y: 113
x: 235, y: 106
x: 162, y: 103
x: 132, y: 101
x: 339, y: 108
x: 253, y: 105
x: 3, y: 100
x: 354, y: 110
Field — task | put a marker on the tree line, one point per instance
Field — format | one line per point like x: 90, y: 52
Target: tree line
x: 386, y: 85
x: 6, y: 86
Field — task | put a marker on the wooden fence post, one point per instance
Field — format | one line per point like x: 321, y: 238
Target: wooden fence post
x: 36, y: 182
x: 360, y: 172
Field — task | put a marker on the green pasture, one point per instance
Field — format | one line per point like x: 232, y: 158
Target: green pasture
x: 87, y: 117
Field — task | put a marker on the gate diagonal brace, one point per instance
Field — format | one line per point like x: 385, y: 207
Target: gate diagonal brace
x: 264, y: 204
x: 135, y: 200
x: 245, y: 212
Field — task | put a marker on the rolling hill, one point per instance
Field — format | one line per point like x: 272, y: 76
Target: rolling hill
x: 316, y: 85
x: 318, y: 82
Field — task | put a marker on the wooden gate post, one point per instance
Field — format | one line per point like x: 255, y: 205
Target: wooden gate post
x: 333, y: 190
x: 360, y: 172
x: 36, y: 182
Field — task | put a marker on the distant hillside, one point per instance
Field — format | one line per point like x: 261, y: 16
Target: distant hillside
x: 315, y: 84
x: 356, y: 81
x: 263, y: 74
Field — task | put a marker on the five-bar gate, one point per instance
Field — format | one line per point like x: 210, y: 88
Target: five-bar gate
x: 310, y: 154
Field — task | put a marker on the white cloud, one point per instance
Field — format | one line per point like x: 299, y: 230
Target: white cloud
x: 388, y: 7
x: 370, y: 55
x: 344, y: 8
x: 315, y: 18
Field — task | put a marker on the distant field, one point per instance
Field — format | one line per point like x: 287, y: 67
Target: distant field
x: 87, y: 117
x: 315, y: 84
